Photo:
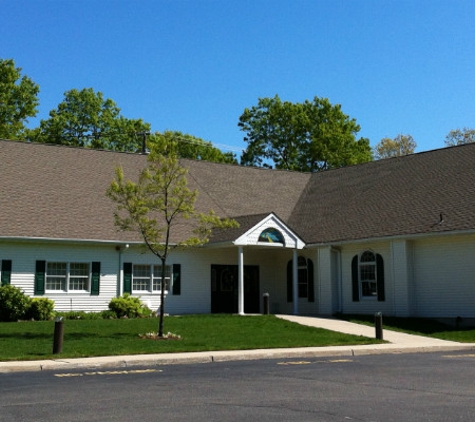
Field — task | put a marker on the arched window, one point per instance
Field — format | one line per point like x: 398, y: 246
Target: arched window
x: 271, y: 235
x: 367, y: 273
x: 368, y: 276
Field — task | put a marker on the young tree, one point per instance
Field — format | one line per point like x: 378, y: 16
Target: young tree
x: 18, y: 100
x: 460, y: 137
x: 309, y: 136
x: 400, y: 145
x: 158, y: 203
x: 191, y: 147
x: 85, y: 119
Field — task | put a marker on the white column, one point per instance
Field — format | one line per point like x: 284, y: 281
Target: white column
x: 240, y: 281
x: 295, y: 281
x: 120, y: 279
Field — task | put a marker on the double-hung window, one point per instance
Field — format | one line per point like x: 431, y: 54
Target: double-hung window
x: 368, y: 274
x: 148, y: 278
x: 68, y: 276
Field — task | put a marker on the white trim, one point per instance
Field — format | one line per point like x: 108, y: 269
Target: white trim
x: 387, y: 238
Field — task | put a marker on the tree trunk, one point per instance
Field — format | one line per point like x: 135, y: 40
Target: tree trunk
x: 162, y: 301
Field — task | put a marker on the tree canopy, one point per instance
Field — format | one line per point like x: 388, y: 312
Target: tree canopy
x: 85, y: 119
x: 18, y: 100
x: 460, y: 137
x: 309, y: 136
x: 159, y: 202
x: 400, y: 145
x: 188, y: 146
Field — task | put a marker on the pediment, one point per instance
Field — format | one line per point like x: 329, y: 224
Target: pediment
x: 271, y: 231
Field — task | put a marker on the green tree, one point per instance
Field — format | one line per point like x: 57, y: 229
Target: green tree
x: 309, y: 136
x: 158, y: 204
x: 85, y: 119
x: 191, y: 147
x: 400, y: 145
x: 460, y: 137
x: 18, y: 100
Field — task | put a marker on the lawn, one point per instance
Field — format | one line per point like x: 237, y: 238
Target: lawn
x: 34, y: 340
x: 420, y: 326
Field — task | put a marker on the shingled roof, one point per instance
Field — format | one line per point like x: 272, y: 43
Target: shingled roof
x: 58, y: 192
x: 428, y: 192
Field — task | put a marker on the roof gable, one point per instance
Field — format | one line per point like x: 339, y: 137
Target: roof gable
x: 252, y: 237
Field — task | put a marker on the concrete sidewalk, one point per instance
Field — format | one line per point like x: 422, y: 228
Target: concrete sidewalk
x: 398, y: 343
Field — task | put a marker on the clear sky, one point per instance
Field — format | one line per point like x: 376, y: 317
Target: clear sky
x: 396, y: 66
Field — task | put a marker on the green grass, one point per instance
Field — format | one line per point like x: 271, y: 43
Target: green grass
x: 420, y: 326
x: 34, y: 340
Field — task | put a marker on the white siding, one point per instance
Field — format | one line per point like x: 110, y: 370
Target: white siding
x: 366, y: 305
x: 24, y: 256
x: 401, y: 256
x: 325, y: 293
x: 444, y: 276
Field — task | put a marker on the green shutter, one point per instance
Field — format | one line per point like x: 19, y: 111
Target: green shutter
x: 311, y: 287
x: 6, y: 271
x: 380, y: 278
x: 128, y: 277
x: 95, y: 278
x: 40, y: 277
x: 290, y: 290
x: 354, y: 279
x: 176, y: 279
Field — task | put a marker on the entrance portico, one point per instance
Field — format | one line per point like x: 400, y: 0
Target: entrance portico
x: 270, y: 232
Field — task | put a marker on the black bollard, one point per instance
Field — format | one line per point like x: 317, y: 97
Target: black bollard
x: 265, y: 297
x: 378, y: 324
x: 58, y: 335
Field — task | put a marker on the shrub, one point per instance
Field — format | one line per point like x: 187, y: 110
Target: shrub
x: 129, y: 306
x: 41, y: 309
x: 14, y: 304
x: 108, y: 314
x: 82, y: 315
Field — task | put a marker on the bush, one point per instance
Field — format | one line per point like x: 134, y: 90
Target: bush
x: 127, y: 306
x: 82, y: 315
x: 41, y: 309
x: 14, y: 304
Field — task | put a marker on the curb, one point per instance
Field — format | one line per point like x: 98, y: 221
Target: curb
x: 220, y: 356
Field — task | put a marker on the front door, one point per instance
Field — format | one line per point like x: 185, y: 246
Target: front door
x: 224, y: 289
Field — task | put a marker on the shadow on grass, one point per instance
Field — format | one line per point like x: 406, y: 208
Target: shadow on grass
x: 27, y: 336
x: 425, y: 326
x: 82, y: 336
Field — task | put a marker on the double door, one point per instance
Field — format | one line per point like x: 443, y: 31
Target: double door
x: 224, y: 289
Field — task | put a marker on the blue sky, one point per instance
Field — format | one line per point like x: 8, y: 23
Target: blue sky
x: 396, y: 66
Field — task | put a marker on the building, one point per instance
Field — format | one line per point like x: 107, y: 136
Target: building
x: 395, y: 236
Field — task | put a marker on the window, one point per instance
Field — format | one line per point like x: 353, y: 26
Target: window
x: 302, y: 276
x: 271, y: 235
x: 147, y: 278
x: 68, y: 277
x: 367, y: 272
x: 305, y: 284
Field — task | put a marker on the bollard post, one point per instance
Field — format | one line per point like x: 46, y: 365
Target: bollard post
x: 58, y: 335
x: 265, y: 297
x: 378, y: 324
